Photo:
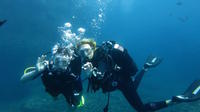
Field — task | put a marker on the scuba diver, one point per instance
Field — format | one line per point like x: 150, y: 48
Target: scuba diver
x: 2, y: 22
x: 60, y: 75
x: 110, y: 67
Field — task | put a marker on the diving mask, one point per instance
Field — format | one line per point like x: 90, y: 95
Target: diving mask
x: 61, y: 62
x: 86, y: 51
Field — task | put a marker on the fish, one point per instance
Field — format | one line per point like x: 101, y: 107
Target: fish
x: 179, y: 3
x: 2, y: 22
x: 183, y: 19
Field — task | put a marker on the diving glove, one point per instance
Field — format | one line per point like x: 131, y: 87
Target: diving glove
x: 31, y: 73
x: 92, y: 71
x: 151, y: 62
x: 88, y: 68
x: 42, y: 63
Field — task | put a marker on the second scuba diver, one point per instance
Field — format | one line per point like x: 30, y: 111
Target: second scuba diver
x: 110, y: 67
x: 60, y: 75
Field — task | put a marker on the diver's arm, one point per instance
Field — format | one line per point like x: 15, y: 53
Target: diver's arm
x: 30, y: 75
x: 41, y: 66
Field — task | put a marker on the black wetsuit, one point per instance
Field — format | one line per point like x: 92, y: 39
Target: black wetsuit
x: 64, y: 82
x: 121, y: 78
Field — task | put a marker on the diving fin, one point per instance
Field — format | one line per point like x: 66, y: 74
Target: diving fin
x: 191, y: 94
x: 152, y: 61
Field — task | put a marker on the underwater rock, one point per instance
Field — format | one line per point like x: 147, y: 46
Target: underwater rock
x: 42, y: 102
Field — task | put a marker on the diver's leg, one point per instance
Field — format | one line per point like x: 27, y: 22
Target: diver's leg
x: 73, y: 92
x: 128, y: 90
x: 133, y: 98
x: 67, y: 93
x: 191, y: 94
x: 154, y: 106
x: 52, y: 86
x: 151, y: 61
x: 77, y: 92
x: 137, y: 79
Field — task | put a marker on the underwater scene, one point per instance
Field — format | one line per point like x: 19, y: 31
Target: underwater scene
x: 100, y: 55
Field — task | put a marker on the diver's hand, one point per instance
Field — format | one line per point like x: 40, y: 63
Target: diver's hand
x: 42, y: 63
x: 88, y: 68
x: 152, y: 61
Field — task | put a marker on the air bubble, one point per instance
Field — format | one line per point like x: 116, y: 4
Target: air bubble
x: 68, y: 25
x: 81, y: 30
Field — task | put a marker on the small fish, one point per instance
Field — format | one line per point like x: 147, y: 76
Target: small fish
x: 2, y: 22
x: 171, y: 14
x: 183, y: 19
x: 179, y: 3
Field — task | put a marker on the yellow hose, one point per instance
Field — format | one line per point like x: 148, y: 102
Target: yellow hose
x: 29, y: 68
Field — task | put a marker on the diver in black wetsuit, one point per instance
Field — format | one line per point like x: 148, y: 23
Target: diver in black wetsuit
x: 2, y: 22
x: 60, y: 75
x: 110, y: 67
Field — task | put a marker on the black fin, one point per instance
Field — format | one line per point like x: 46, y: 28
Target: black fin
x: 191, y: 94
x: 193, y: 91
x: 2, y: 22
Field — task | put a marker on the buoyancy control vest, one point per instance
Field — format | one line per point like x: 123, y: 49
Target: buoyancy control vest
x: 117, y: 63
x: 117, y: 59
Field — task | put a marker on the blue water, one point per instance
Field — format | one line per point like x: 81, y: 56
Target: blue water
x: 166, y: 28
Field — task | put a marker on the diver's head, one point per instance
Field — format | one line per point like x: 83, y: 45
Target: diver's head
x: 61, y: 59
x: 86, y: 48
x: 60, y: 62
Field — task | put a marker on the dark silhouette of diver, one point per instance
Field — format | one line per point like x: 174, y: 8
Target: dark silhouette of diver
x: 60, y: 75
x: 110, y: 67
x: 2, y: 22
